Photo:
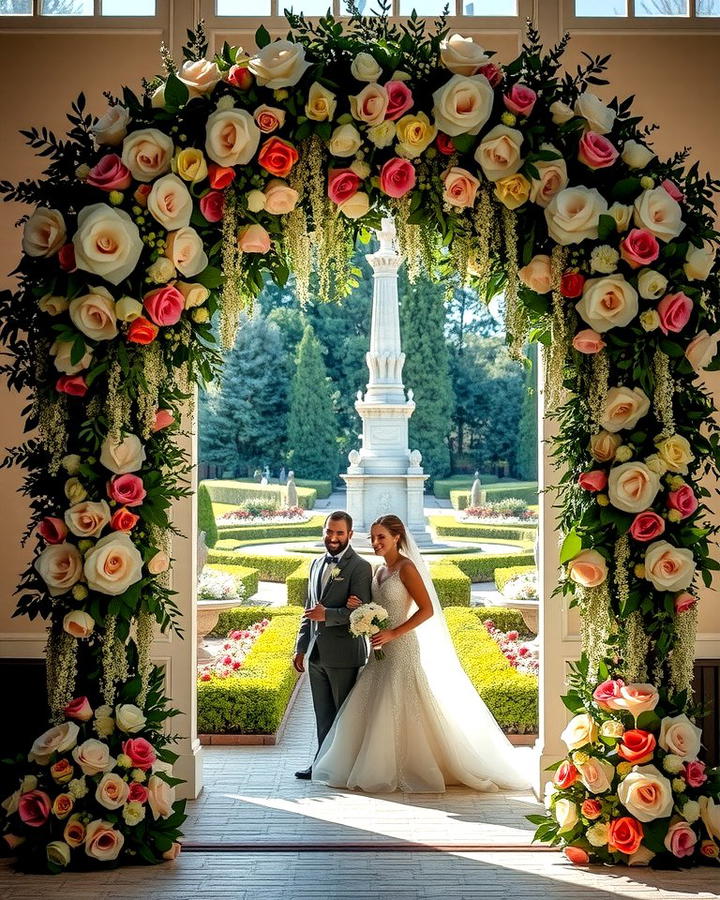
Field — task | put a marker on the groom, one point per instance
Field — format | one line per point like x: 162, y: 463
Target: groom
x: 334, y: 656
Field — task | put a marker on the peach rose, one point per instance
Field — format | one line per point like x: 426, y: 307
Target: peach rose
x: 254, y: 239
x: 110, y: 129
x: 646, y: 794
x: 74, y: 833
x: 702, y: 349
x: 573, y: 215
x: 173, y: 852
x: 656, y: 211
x: 159, y: 563
x: 461, y: 55
x: 102, y: 841
x: 680, y: 736
x: 280, y: 64
x: 597, y: 775
x: 60, y: 567
x: 44, y: 232
x: 587, y: 569
x: 588, y: 341
x: 269, y: 118
x: 536, y: 274
x: 580, y: 730
x: 58, y: 739
x: 603, y: 446
x: 186, y: 251
x: 79, y: 624
x: 199, y: 76
x: 107, y: 243
x: 370, y: 105
x: 636, y: 699
x: 62, y: 353
x: 669, y: 568
x: 87, y: 519
x: 463, y: 105
x: 710, y: 815
x: 624, y: 407
x: 231, y: 137
x: 460, y: 187
x: 356, y: 206
x: 94, y: 314
x: 124, y: 456
x: 280, y: 198
x: 498, y: 153
x: 63, y: 805
x: 553, y: 177
x: 632, y: 487
x: 112, y: 792
x: 147, y: 153
x: 113, y: 564
x: 170, y: 203
x: 160, y: 797
x: 93, y: 757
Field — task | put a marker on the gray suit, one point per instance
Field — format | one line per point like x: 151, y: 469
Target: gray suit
x: 334, y: 656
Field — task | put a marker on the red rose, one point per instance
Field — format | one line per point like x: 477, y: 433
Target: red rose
x: 444, y: 144
x: 277, y: 156
x: 164, y: 305
x: 571, y: 284
x: 492, y: 72
x: 212, y: 205
x: 625, y: 835
x: 591, y: 808
x: 566, y: 775
x: 142, y: 331
x: 66, y: 258
x: 646, y: 526
x: 74, y: 385
x: 683, y: 500
x: 342, y: 185
x: 593, y: 481
x: 53, y: 530
x: 127, y: 489
x: 241, y: 77
x: 220, y: 176
x: 637, y: 746
x: 123, y: 520
x: 141, y: 752
x: 79, y: 709
x: 138, y: 793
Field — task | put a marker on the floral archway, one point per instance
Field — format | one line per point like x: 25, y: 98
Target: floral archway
x: 177, y: 204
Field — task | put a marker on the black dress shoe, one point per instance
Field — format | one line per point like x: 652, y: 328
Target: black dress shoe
x: 304, y: 774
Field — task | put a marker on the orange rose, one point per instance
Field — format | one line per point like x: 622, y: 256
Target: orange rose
x: 62, y: 771
x: 566, y: 775
x: 576, y: 855
x: 637, y: 746
x: 142, y: 331
x: 62, y: 807
x: 625, y: 835
x: 591, y: 808
x: 277, y: 157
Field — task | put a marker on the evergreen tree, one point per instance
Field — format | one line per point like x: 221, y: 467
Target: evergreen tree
x: 527, y: 455
x: 243, y: 422
x: 206, y: 516
x: 312, y: 422
x: 427, y: 372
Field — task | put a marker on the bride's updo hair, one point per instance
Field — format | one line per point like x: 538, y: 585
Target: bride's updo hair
x: 395, y: 526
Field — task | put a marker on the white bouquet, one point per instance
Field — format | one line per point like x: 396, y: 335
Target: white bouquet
x: 367, y: 620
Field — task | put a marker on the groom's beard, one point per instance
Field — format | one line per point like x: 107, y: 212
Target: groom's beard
x: 335, y: 548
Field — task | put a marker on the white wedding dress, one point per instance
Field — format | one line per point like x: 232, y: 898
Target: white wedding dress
x: 400, y: 730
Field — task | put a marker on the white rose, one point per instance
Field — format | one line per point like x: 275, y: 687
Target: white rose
x: 53, y: 305
x: 580, y: 730
x: 59, y: 739
x: 609, y: 302
x: 561, y: 112
x: 365, y: 68
x: 94, y: 314
x: 321, y: 103
x: 574, y: 213
x: 157, y: 101
x: 345, y: 141
x: 553, y: 178
x: 199, y: 76
x: 566, y: 813
x: 461, y: 55
x: 129, y: 717
x: 102, y: 841
x: 279, y: 65
x: 597, y: 775
x: 87, y: 519
x: 186, y: 250
x: 383, y: 134
x: 463, y: 105
x: 255, y: 200
x: 79, y: 624
x: 646, y: 794
x: 170, y: 203
x: 93, y: 757
x: 632, y: 487
x: 231, y: 137
x: 124, y: 456
x: 622, y: 213
x: 669, y: 568
x: 110, y: 129
x: 635, y: 155
x: 44, y: 232
x: 112, y: 792
x: 651, y: 284
x: 62, y: 353
x: 599, y: 118
x: 676, y: 453
x: 160, y: 797
x: 624, y: 407
x: 113, y: 564
x: 498, y: 153
x: 657, y: 211
x: 147, y: 153
x: 680, y: 736
x: 597, y: 834
x: 356, y: 206
x: 699, y: 261
x: 60, y: 567
x: 10, y: 804
x: 702, y: 349
x: 107, y: 242
x: 710, y: 815
x: 370, y: 105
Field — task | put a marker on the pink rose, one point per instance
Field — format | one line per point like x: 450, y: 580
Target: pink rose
x: 400, y: 99
x: 606, y: 692
x: 52, y: 530
x: 460, y: 187
x: 138, y: 793
x: 127, y: 489
x: 79, y: 709
x: 342, y: 185
x: 269, y: 118
x: 254, y: 239
x: 174, y: 851
x: 163, y: 418
x: 397, y: 177
x: 110, y: 174
x: 520, y: 99
x: 639, y: 248
x: 212, y: 205
x: 683, y: 500
x: 646, y: 526
x: 164, y: 305
x: 492, y: 72
x: 593, y: 481
x: 141, y: 753
x: 674, y: 311
x: 588, y: 341
x: 683, y: 602
x: 34, y: 808
x: 673, y: 190
x: 694, y: 773
x: 240, y: 76
x: 596, y: 151
x: 680, y: 839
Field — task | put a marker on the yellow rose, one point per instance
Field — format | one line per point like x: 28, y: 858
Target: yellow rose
x: 414, y: 134
x: 512, y: 191
x: 382, y: 135
x: 53, y: 305
x: 127, y: 309
x: 194, y: 294
x: 321, y: 103
x: 190, y: 165
x: 676, y: 453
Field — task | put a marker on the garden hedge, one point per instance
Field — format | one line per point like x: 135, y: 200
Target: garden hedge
x: 243, y: 617
x: 522, y: 490
x: 206, y: 516
x: 503, y: 618
x: 226, y: 491
x: 512, y: 697
x: 482, y: 567
x: 254, y: 701
x: 448, y: 526
x: 310, y: 529
x: 323, y: 489
x: 248, y: 577
x: 502, y: 576
x: 269, y: 568
x: 297, y: 583
x: 443, y: 486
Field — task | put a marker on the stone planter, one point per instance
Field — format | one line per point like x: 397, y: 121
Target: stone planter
x: 528, y: 609
x: 208, y: 612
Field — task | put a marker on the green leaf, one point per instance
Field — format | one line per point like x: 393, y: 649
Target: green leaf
x: 571, y: 546
x: 262, y: 37
x: 648, y: 720
x: 210, y: 278
x: 463, y: 142
x: 626, y: 189
x: 606, y: 227
x: 176, y: 93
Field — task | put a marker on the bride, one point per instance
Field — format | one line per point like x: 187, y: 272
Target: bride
x: 413, y: 722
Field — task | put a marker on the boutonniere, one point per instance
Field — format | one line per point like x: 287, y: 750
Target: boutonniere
x: 335, y: 574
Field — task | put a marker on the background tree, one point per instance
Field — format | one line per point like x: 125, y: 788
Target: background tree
x: 527, y: 446
x: 312, y: 423
x: 206, y: 516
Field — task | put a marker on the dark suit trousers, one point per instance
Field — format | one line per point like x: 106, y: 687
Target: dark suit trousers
x: 329, y: 687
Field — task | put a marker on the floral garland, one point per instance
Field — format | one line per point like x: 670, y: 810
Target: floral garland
x: 180, y: 202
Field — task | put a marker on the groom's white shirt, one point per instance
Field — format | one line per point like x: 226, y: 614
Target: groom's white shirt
x: 319, y: 563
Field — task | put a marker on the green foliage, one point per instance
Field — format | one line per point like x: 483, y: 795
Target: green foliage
x: 253, y: 701
x: 482, y: 567
x: 322, y: 488
x: 443, y: 486
x: 242, y: 617
x: 312, y: 425
x: 527, y: 447
x: 206, y: 516
x: 243, y: 574
x: 292, y: 530
x: 503, y: 618
x: 502, y: 576
x: 520, y: 490
x: 234, y: 492
x: 269, y: 568
x: 297, y: 583
x: 448, y: 526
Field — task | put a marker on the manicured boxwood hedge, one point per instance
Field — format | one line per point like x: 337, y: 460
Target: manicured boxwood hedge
x: 269, y: 568
x: 443, y: 486
x: 522, y: 490
x: 310, y: 529
x: 247, y: 576
x: 511, y: 697
x: 502, y: 576
x: 225, y: 491
x: 323, y: 489
x: 243, y: 617
x: 254, y: 701
x: 297, y: 583
x: 482, y: 566
x: 448, y: 526
x: 503, y: 618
